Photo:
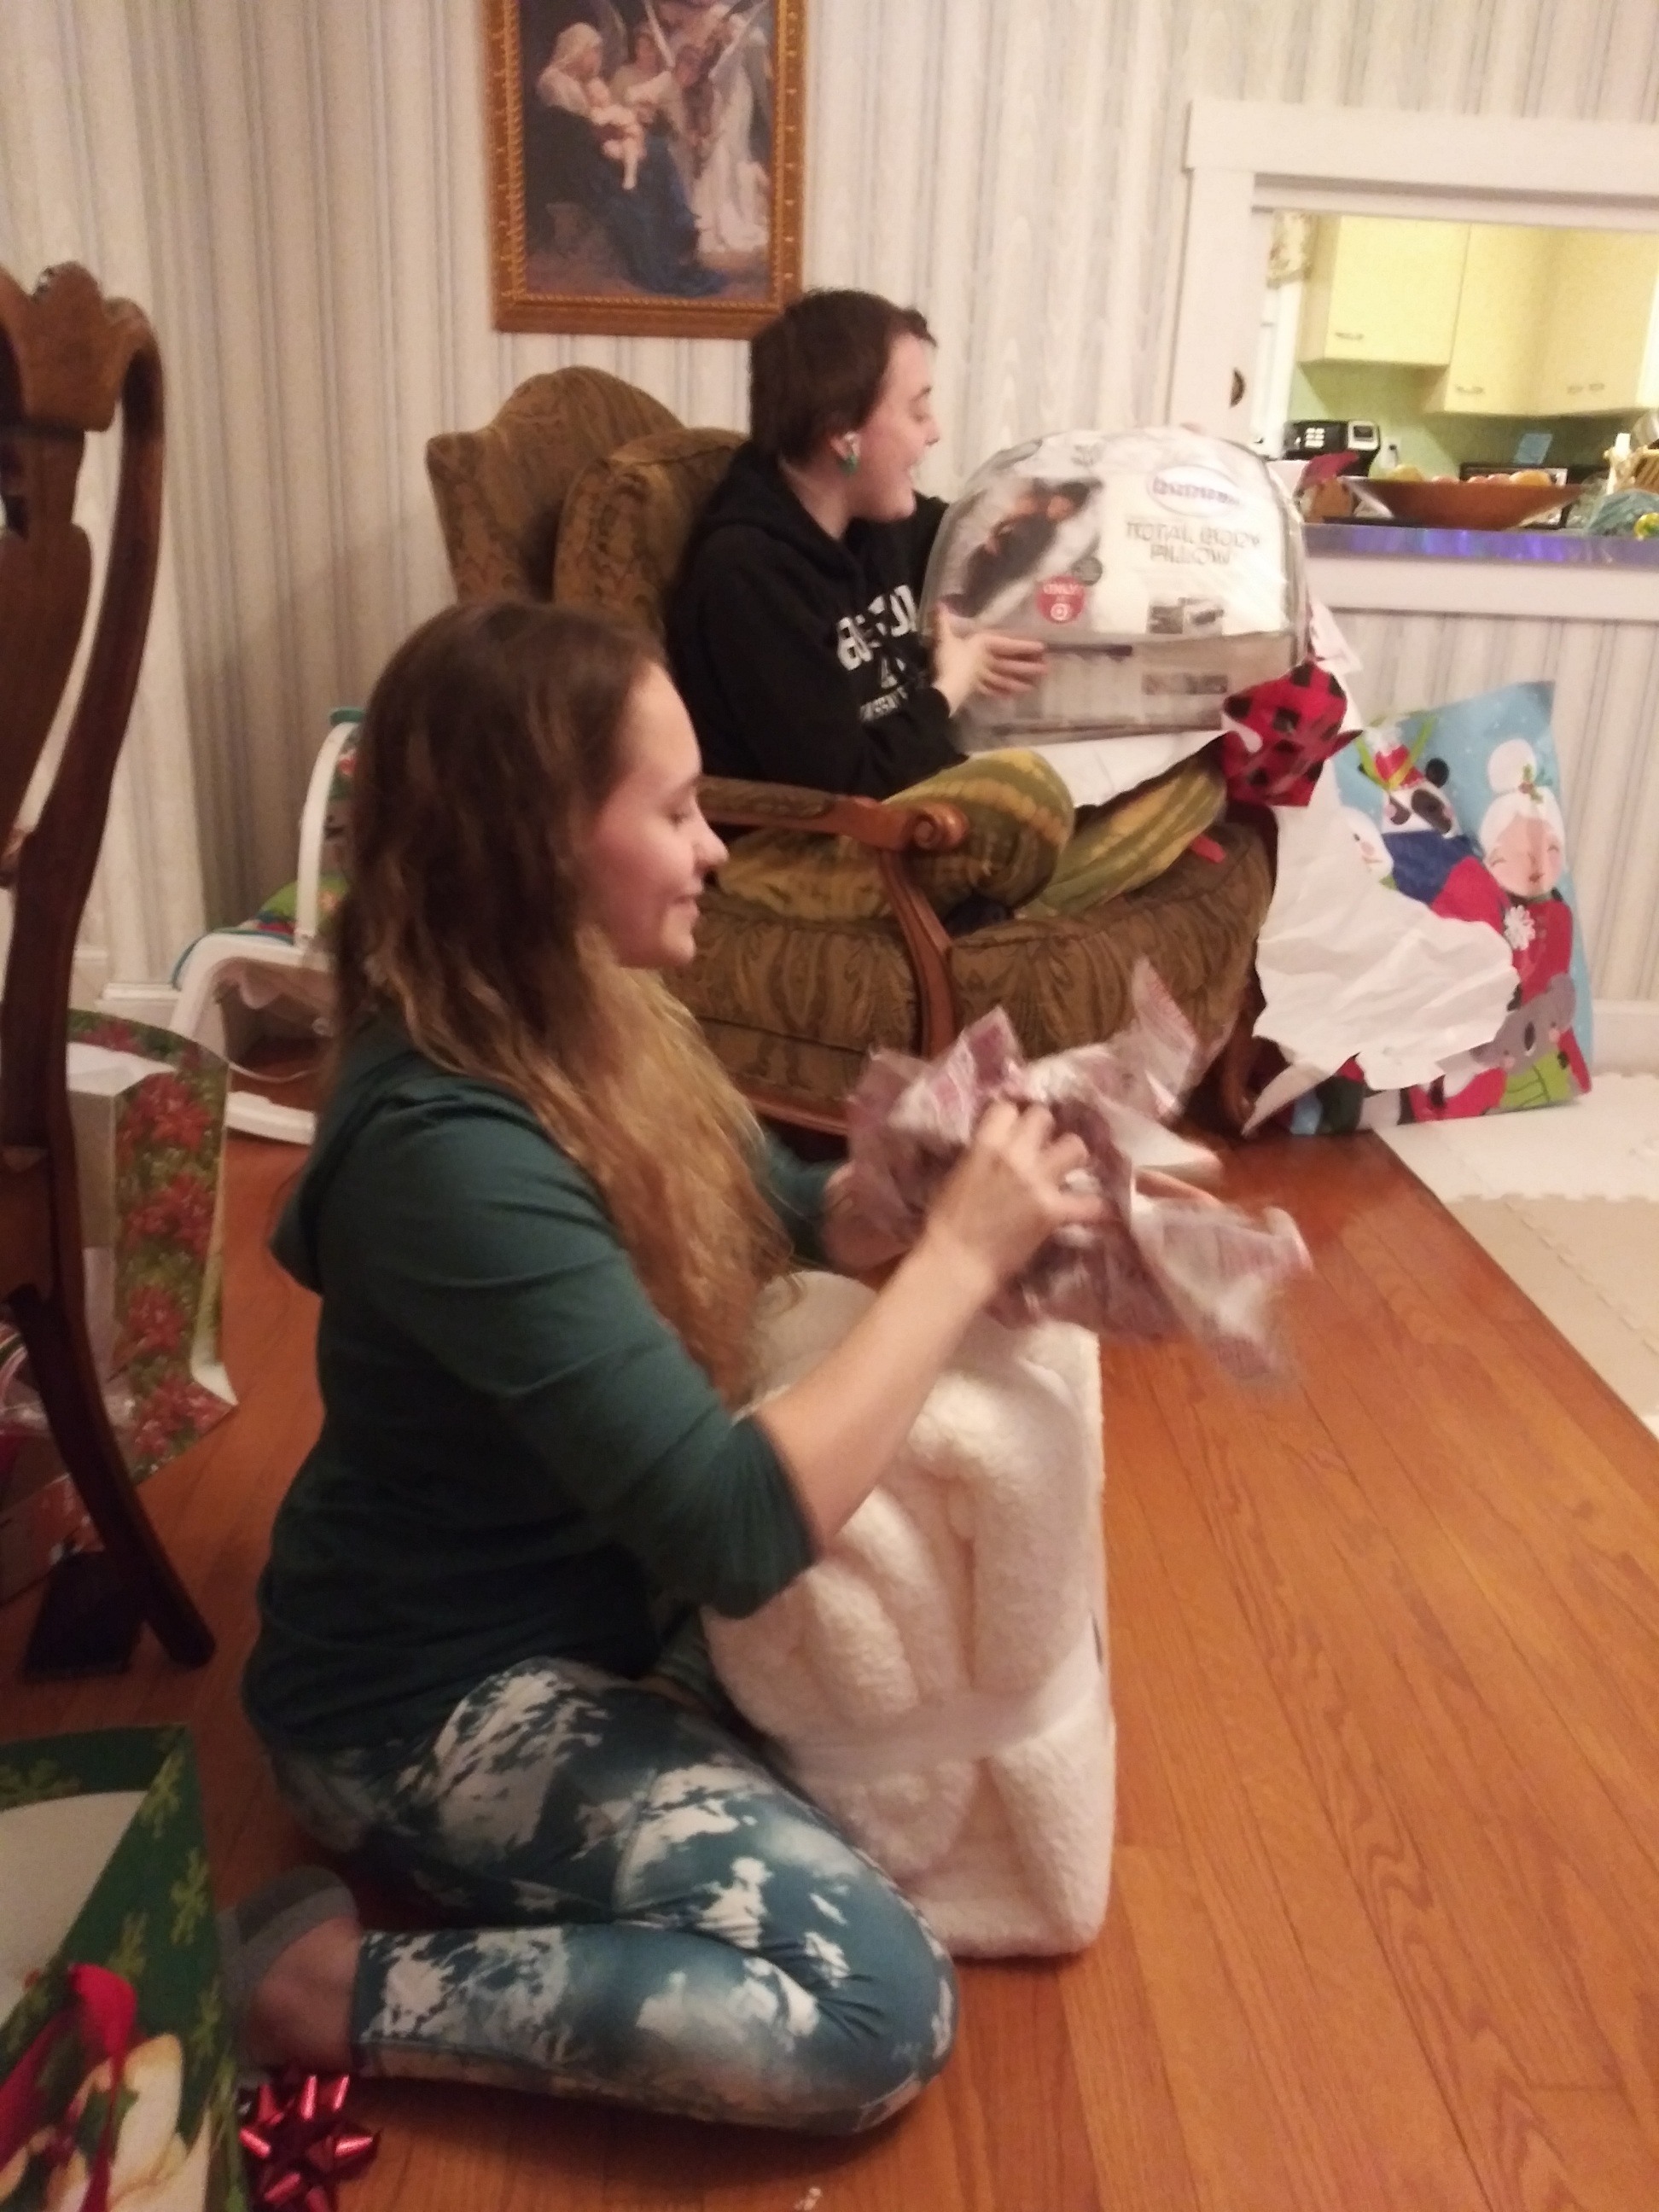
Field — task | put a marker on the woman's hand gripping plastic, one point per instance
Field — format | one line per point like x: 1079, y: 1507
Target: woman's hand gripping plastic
x: 1016, y: 1184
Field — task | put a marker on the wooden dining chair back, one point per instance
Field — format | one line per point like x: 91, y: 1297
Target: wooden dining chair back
x: 70, y: 361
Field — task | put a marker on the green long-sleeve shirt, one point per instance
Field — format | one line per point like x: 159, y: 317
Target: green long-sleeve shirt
x: 518, y: 1456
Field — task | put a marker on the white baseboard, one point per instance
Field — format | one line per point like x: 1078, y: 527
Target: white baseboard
x: 136, y: 1002
x: 1627, y: 1036
x: 89, y: 977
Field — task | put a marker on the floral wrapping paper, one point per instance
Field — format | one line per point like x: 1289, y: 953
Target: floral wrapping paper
x: 168, y: 1388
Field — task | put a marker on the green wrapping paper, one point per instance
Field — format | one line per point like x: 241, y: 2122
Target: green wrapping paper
x: 103, y: 1867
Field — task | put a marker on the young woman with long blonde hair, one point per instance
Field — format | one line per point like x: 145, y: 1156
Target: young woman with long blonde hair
x: 539, y: 1219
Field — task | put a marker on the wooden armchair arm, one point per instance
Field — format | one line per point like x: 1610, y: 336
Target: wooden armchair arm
x: 891, y: 832
x: 930, y: 825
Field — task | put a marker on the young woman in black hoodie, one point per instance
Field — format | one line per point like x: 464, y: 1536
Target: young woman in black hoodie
x: 794, y: 634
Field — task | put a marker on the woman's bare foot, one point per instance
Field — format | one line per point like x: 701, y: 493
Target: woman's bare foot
x: 299, y: 2013
x: 288, y: 1958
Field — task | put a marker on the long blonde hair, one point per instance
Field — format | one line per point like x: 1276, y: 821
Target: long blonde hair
x: 492, y: 736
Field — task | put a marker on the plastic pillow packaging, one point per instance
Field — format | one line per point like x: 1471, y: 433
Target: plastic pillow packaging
x: 1154, y: 1266
x: 1162, y: 570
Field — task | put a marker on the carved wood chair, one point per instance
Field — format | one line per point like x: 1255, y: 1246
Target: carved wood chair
x: 68, y: 359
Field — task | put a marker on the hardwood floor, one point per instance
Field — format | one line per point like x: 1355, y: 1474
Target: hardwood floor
x: 1384, y: 1931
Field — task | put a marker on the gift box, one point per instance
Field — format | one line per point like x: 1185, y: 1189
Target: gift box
x: 149, y: 1111
x: 118, y: 2085
x: 41, y: 1516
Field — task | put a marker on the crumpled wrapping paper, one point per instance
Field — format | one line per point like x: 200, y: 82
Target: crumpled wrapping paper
x: 1154, y: 1266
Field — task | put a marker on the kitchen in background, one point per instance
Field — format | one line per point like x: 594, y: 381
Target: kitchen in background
x: 1470, y: 347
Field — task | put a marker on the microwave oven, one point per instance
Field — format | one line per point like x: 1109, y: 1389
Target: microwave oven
x: 1305, y: 439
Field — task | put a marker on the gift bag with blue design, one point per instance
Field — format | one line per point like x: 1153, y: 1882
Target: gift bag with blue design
x: 1461, y: 808
x: 117, y: 2081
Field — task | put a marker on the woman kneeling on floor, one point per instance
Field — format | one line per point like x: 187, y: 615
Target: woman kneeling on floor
x: 539, y: 1219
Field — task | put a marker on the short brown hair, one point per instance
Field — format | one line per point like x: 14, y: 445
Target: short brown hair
x: 817, y: 368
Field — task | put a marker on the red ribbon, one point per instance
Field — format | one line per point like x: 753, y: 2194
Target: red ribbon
x: 300, y: 2142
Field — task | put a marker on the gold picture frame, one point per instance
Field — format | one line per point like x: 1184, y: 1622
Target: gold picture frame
x: 645, y: 163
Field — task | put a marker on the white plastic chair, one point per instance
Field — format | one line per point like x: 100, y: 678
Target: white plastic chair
x: 261, y: 968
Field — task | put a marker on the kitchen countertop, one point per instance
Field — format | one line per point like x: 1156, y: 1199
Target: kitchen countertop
x: 1553, y: 548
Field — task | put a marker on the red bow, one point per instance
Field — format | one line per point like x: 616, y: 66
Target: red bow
x: 300, y: 2142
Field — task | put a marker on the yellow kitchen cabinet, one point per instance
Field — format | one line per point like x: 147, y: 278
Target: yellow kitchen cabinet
x: 1502, y: 316
x: 1599, y: 355
x: 1379, y: 290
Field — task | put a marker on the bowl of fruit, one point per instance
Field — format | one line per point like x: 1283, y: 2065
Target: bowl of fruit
x: 1477, y: 503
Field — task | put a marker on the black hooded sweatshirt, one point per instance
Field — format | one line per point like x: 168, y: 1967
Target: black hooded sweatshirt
x: 799, y: 654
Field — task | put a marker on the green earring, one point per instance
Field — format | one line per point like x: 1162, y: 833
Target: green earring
x: 847, y: 460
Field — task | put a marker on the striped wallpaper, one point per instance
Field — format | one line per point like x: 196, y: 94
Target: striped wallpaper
x: 295, y: 190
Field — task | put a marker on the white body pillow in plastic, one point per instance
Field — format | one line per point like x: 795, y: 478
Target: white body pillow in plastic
x: 1162, y: 569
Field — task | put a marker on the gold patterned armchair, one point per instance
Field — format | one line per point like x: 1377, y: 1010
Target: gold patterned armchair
x: 584, y: 490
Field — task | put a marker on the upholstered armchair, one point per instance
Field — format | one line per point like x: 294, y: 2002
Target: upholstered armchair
x: 501, y: 491
x: 546, y: 502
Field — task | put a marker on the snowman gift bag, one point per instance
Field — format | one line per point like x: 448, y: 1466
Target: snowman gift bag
x: 1460, y: 808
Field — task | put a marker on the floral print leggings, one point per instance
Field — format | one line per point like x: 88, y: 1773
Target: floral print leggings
x: 645, y: 1914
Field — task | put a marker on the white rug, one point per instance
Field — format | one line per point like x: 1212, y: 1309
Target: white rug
x: 1566, y: 1199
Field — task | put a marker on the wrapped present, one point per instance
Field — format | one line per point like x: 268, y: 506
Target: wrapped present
x: 149, y: 1111
x: 117, y: 2086
x: 41, y: 1514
